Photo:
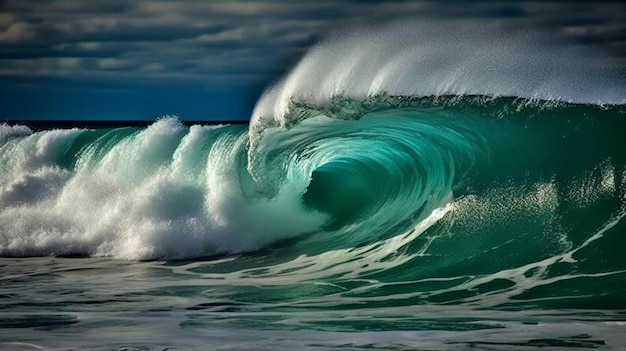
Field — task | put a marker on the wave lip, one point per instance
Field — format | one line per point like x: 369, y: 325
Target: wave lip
x: 435, y: 59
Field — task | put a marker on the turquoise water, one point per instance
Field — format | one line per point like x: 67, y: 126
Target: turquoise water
x: 423, y: 223
x: 404, y: 188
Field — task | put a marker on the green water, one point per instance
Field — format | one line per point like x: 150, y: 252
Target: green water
x: 391, y: 223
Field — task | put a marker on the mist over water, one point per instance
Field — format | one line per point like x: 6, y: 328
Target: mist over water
x: 436, y: 59
x: 403, y: 187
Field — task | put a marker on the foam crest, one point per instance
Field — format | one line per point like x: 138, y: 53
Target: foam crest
x: 434, y: 59
x: 8, y: 132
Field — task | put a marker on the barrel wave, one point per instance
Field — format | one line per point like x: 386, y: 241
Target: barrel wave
x: 392, y: 178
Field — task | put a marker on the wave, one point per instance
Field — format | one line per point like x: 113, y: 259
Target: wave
x: 169, y: 191
x: 380, y: 156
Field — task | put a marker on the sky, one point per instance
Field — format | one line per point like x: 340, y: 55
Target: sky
x: 211, y: 60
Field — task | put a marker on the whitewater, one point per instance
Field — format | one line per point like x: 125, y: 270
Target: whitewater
x: 403, y: 187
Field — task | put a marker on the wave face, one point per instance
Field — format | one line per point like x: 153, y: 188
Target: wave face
x: 376, y: 187
x: 463, y: 194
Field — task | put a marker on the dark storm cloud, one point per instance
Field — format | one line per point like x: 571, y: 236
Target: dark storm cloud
x: 239, y: 43
x: 149, y: 38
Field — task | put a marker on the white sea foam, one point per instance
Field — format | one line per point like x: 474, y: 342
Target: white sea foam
x: 163, y: 192
x: 430, y: 58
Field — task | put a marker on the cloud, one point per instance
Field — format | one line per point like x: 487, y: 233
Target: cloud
x: 114, y: 63
x: 245, y: 39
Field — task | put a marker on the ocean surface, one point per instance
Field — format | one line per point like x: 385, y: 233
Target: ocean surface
x: 458, y: 194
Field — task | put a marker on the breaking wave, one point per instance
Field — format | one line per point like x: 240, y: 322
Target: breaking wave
x: 454, y: 164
